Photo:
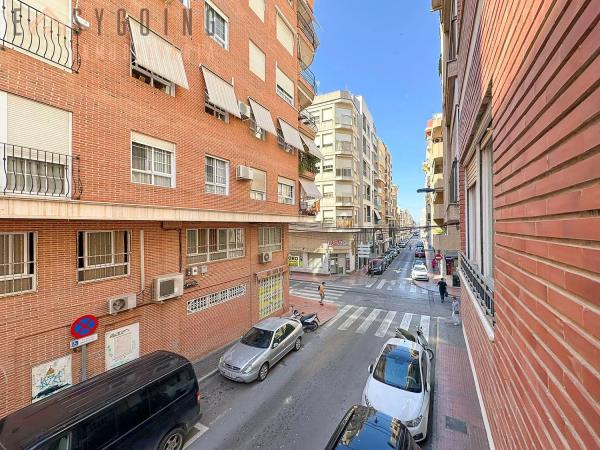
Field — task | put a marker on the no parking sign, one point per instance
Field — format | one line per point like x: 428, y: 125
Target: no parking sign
x: 84, y: 326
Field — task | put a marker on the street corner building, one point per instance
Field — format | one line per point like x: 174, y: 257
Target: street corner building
x: 521, y: 126
x: 152, y: 156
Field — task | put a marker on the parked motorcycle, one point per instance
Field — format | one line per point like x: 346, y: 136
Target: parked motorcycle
x: 310, y: 322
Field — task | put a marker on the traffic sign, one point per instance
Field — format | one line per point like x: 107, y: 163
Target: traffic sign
x: 84, y: 340
x: 84, y: 326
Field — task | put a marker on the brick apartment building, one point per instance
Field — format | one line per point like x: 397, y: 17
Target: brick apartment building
x: 521, y: 102
x: 135, y: 187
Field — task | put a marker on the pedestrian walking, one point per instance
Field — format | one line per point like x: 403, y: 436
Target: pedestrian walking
x: 322, y: 292
x: 455, y: 311
x: 443, y: 288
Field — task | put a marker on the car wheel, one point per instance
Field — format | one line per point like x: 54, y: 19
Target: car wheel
x: 263, y: 372
x: 298, y: 344
x: 173, y: 440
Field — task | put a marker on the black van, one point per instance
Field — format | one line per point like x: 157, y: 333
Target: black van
x: 149, y: 403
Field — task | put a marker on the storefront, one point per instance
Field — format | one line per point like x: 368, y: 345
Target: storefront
x: 322, y: 253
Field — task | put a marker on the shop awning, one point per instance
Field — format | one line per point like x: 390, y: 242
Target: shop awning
x: 312, y: 147
x: 156, y: 54
x: 310, y: 188
x: 220, y: 92
x: 262, y: 117
x: 291, y: 136
x: 377, y: 215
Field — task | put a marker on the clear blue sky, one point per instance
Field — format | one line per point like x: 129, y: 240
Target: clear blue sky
x: 386, y: 50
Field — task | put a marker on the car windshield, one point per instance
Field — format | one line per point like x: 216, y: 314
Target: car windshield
x: 257, y: 338
x: 399, y: 367
x: 420, y: 268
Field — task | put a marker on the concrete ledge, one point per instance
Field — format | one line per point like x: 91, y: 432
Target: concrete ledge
x: 65, y: 209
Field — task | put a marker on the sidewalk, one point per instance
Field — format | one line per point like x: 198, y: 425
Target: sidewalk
x: 207, y: 365
x: 434, y: 277
x: 457, y: 420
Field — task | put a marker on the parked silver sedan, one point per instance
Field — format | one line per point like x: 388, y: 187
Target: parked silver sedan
x: 260, y: 349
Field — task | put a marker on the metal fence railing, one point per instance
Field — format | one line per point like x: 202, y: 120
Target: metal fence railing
x: 480, y: 288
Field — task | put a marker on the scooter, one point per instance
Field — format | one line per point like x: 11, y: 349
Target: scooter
x: 310, y: 322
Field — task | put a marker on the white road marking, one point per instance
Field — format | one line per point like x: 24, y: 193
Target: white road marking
x: 385, y: 324
x: 340, y: 313
x: 368, y: 321
x: 406, y: 321
x: 425, y: 326
x: 380, y: 285
x: 370, y: 285
x: 350, y: 320
x: 413, y: 289
x: 201, y: 429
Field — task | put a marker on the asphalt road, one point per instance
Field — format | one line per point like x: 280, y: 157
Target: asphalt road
x: 302, y: 400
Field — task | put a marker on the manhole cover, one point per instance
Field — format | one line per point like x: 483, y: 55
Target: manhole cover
x: 456, y: 425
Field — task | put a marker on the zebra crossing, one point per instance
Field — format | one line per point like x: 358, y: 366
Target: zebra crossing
x: 362, y: 319
x: 311, y: 292
x: 333, y: 292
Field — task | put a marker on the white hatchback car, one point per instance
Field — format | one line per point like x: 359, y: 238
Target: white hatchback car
x: 419, y: 272
x: 399, y: 385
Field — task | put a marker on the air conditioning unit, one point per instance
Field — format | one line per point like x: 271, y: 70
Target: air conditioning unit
x: 265, y: 257
x: 244, y: 173
x: 168, y: 286
x: 245, y: 110
x: 121, y: 303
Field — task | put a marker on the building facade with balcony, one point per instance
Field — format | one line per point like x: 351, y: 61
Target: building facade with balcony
x: 521, y: 101
x: 150, y: 171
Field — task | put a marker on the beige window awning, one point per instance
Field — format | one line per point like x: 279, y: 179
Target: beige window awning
x: 310, y: 188
x: 220, y: 92
x: 291, y: 136
x: 312, y: 147
x: 262, y: 116
x: 156, y: 54
x: 377, y: 215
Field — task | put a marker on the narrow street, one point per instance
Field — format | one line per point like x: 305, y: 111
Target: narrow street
x: 307, y: 393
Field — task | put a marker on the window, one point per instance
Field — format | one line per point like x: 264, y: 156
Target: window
x: 258, y: 6
x: 487, y: 211
x: 97, y: 431
x: 454, y: 182
x: 327, y: 165
x: 269, y: 239
x: 214, y: 244
x: 214, y: 110
x: 284, y: 86
x: 132, y: 411
x: 164, y: 392
x: 285, y: 35
x: 216, y: 298
x: 17, y: 263
x: 186, y: 3
x: 102, y: 254
x: 149, y: 77
x: 327, y: 216
x: 216, y: 176
x: 152, y: 161
x: 32, y: 177
x: 327, y: 121
x: 256, y: 59
x: 258, y: 185
x: 327, y: 190
x: 285, y: 191
x: 327, y: 142
x: 216, y: 25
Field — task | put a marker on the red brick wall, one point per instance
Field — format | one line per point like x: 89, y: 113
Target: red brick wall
x: 539, y: 377
x: 35, y: 326
x: 107, y: 104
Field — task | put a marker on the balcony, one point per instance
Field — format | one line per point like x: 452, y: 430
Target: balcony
x: 439, y: 213
x: 307, y: 165
x: 308, y: 120
x: 31, y: 172
x: 482, y: 291
x: 29, y: 30
x: 452, y: 213
x: 308, y: 77
x: 344, y: 174
x: 343, y: 147
x: 309, y: 208
x: 344, y: 223
x: 344, y: 200
x: 343, y: 121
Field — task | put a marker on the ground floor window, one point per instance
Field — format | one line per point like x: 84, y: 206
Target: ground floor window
x: 270, y: 295
x: 102, y: 254
x: 216, y: 298
x: 214, y: 244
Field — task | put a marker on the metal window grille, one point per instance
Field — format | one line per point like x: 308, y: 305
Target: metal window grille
x: 270, y: 295
x: 102, y: 254
x: 216, y: 26
x: 285, y: 193
x: 17, y: 263
x: 269, y: 239
x: 216, y: 298
x: 217, y: 176
x: 150, y: 165
x: 214, y: 110
x: 147, y: 76
x: 214, y: 244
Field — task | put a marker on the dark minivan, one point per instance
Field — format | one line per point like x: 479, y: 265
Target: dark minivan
x: 149, y: 403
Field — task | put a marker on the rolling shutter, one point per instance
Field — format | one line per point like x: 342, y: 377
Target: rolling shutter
x: 471, y: 172
x: 284, y: 34
x: 256, y: 60
x: 284, y: 82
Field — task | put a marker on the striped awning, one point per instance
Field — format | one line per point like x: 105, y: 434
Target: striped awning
x: 156, y: 54
x: 310, y: 188
x: 312, y: 147
x: 220, y: 92
x: 291, y: 136
x: 262, y: 116
x: 377, y: 215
